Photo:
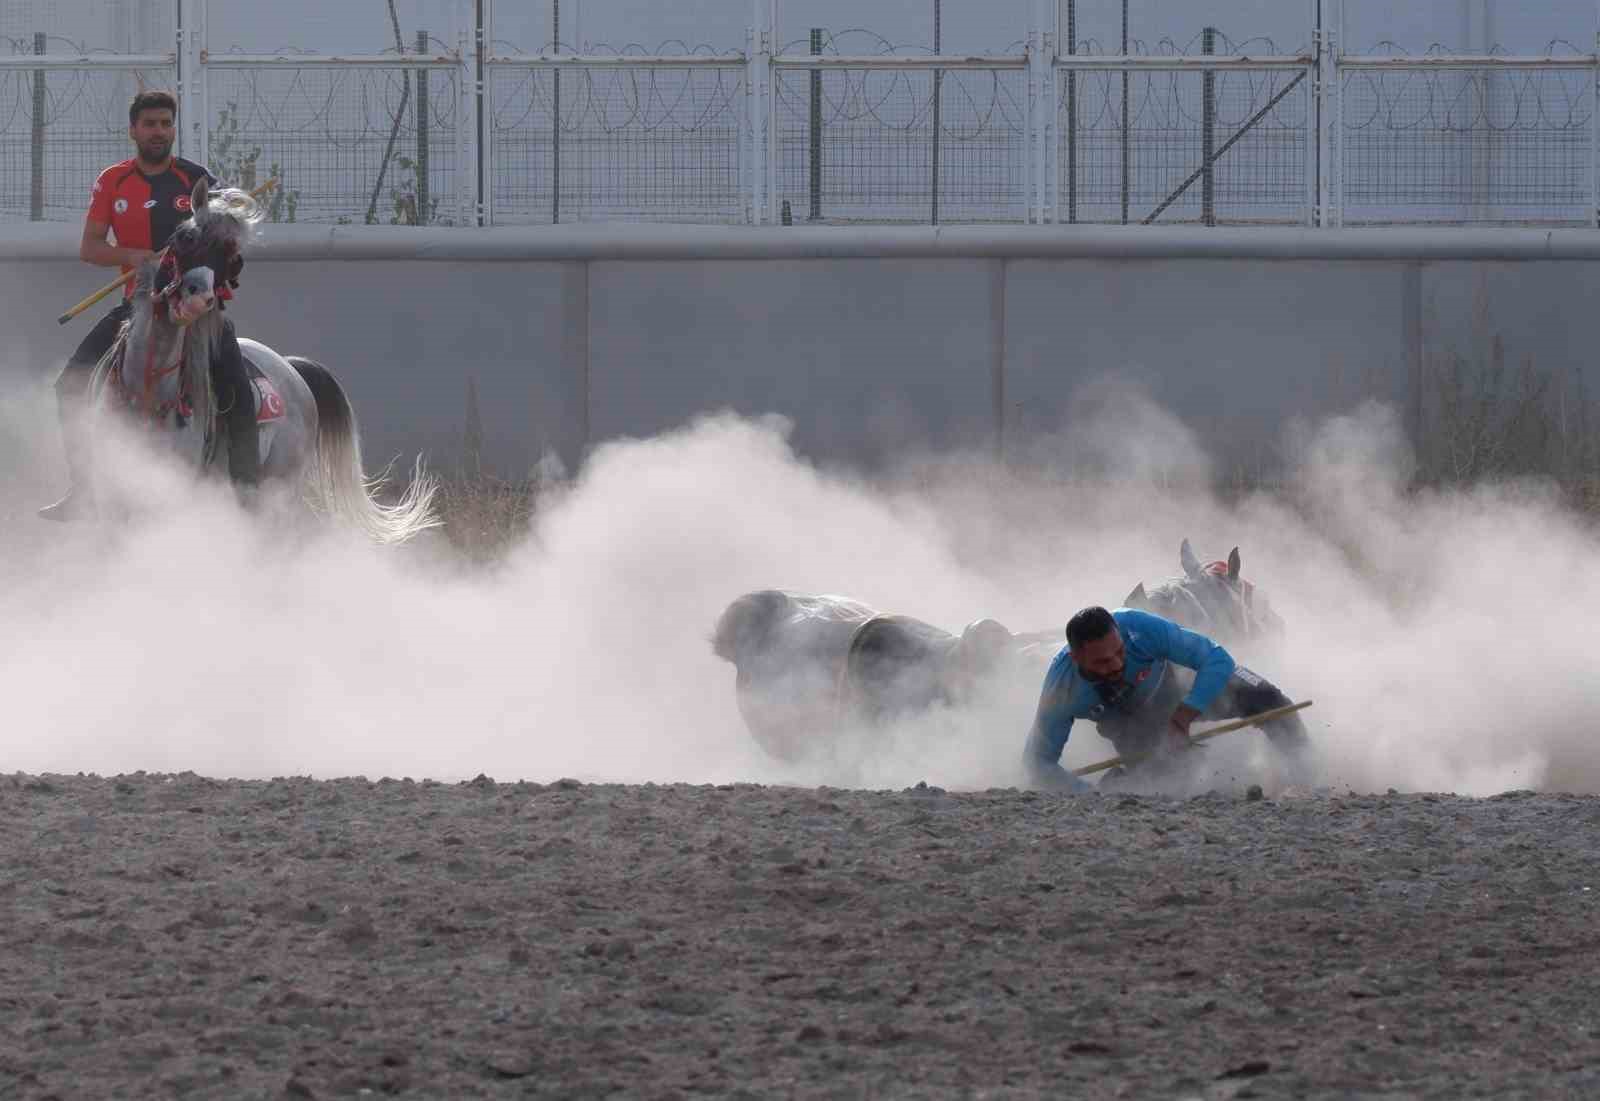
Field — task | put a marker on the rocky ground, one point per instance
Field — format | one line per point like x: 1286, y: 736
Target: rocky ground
x: 180, y: 936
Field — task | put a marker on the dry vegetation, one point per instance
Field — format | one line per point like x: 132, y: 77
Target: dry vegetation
x: 484, y: 516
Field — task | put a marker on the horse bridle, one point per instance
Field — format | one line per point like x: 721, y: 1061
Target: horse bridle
x: 183, y: 254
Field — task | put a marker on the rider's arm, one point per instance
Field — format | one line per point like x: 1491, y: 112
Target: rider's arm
x: 1165, y: 639
x: 1052, y: 726
x: 95, y: 248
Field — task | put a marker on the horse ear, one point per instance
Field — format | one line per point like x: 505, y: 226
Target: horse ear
x: 200, y: 196
x: 1138, y: 598
x: 1233, y: 564
x: 1186, y: 558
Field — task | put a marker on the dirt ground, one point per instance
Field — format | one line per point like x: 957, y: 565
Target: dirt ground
x: 175, y: 936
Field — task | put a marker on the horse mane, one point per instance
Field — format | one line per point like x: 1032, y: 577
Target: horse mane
x: 234, y: 213
x: 202, y: 340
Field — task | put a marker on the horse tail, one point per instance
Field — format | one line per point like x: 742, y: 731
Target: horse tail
x: 341, y: 482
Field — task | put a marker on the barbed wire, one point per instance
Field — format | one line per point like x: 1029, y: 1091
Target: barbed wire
x: 857, y: 95
x: 650, y: 100
x: 1157, y: 100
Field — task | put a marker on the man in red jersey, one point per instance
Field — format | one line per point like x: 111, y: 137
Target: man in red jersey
x: 143, y: 200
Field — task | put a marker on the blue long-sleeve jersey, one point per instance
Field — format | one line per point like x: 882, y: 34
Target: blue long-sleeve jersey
x: 1150, y: 643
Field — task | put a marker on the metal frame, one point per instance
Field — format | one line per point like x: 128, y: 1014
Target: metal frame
x: 1043, y: 60
x: 1309, y: 64
x: 461, y: 62
x: 111, y: 62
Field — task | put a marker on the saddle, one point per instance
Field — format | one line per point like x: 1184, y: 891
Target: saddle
x: 269, y: 403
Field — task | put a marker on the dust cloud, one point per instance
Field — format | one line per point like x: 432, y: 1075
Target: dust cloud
x: 1447, y: 639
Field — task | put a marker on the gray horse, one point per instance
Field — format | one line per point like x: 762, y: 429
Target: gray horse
x: 157, y: 374
x: 788, y: 651
x: 1211, y: 598
x: 809, y: 667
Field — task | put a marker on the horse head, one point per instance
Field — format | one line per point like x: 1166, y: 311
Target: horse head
x: 1228, y: 597
x: 745, y: 624
x: 200, y: 268
x: 174, y: 311
x: 1212, y: 597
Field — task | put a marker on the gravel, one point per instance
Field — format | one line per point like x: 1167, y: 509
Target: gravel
x: 189, y: 937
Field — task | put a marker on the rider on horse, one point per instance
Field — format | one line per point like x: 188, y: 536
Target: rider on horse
x: 144, y: 200
x: 1117, y: 670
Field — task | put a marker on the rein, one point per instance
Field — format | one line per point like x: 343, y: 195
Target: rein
x: 152, y: 375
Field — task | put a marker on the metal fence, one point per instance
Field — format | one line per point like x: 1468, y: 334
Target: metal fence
x: 840, y: 126
x: 1220, y: 132
x: 626, y: 142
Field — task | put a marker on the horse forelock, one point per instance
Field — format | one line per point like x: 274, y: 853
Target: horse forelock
x: 230, y: 215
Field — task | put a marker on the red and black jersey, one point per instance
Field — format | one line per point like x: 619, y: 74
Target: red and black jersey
x: 144, y: 210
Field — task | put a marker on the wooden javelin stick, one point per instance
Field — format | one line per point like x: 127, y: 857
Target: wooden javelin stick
x: 127, y: 275
x: 1225, y: 728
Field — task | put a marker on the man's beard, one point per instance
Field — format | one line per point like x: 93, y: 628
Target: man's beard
x: 154, y: 152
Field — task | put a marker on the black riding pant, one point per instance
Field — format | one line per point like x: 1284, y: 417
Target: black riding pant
x: 1245, y: 694
x: 73, y: 382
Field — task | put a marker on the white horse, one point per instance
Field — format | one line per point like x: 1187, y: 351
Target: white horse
x: 158, y: 373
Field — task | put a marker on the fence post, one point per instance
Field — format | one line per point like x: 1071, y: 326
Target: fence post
x: 555, y: 120
x: 181, y: 77
x: 1313, y: 115
x: 1030, y: 127
x: 938, y: 84
x: 193, y: 127
x: 36, y: 191
x: 751, y: 177
x: 483, y: 33
x: 1208, y: 130
x: 767, y: 103
x: 422, y: 133
x: 1125, y: 123
x: 815, y: 177
x: 758, y: 72
x: 1072, y: 114
x: 1050, y: 148
x: 1594, y: 133
x: 199, y: 90
x: 1325, y: 77
x: 1043, y: 66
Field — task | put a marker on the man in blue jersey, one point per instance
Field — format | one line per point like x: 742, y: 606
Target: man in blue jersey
x: 1122, y: 670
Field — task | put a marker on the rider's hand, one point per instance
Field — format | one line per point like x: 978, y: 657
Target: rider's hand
x: 1178, y: 727
x: 133, y: 257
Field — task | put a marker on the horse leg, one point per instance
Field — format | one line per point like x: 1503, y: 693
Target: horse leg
x: 75, y: 397
x: 1248, y: 693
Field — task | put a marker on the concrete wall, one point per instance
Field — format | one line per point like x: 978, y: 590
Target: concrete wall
x: 871, y: 340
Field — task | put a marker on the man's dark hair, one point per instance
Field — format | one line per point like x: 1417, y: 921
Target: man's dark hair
x: 1088, y: 625
x: 152, y: 100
